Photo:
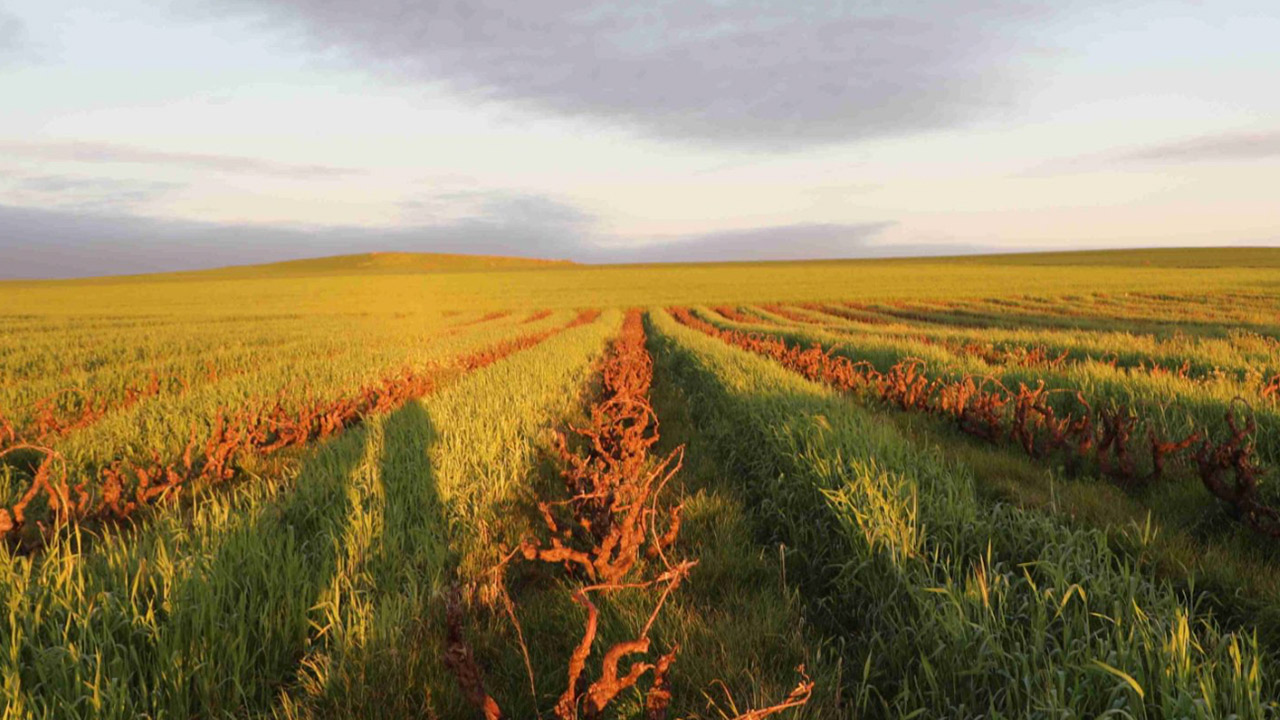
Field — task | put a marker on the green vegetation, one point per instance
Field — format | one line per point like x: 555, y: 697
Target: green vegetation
x: 352, y: 488
x: 950, y: 605
x: 318, y: 574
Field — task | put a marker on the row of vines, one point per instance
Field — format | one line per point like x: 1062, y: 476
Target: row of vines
x: 56, y: 496
x: 610, y: 532
x: 1115, y: 441
x: 1015, y: 354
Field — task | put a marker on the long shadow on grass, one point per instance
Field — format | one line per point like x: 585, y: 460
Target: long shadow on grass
x: 741, y: 626
x: 392, y: 666
x: 240, y: 624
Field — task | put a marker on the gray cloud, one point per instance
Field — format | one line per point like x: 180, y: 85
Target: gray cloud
x: 82, y: 194
x: 759, y: 74
x: 61, y: 243
x: 1210, y: 148
x: 513, y: 207
x: 12, y: 34
x: 92, y: 152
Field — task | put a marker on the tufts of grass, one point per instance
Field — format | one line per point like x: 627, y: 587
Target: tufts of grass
x: 950, y: 605
x: 308, y: 589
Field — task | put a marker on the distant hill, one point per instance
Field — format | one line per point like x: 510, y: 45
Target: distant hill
x: 1215, y: 257
x: 409, y: 263
x: 399, y: 263
x: 384, y: 262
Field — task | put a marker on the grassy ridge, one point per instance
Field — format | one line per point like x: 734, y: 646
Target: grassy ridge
x: 1160, y: 257
x: 632, y: 285
x: 378, y: 262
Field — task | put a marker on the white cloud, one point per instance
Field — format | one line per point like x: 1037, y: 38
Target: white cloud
x: 103, y: 153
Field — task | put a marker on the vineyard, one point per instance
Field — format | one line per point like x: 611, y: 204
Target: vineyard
x: 338, y: 496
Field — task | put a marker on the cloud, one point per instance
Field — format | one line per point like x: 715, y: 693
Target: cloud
x: 82, y: 194
x: 94, y: 152
x: 803, y: 241
x: 807, y: 241
x: 512, y: 207
x: 13, y: 34
x: 757, y: 74
x: 1224, y: 147
x: 60, y: 243
x: 1221, y: 147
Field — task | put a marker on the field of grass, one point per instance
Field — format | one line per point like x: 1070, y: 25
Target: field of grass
x: 267, y: 290
x: 438, y: 486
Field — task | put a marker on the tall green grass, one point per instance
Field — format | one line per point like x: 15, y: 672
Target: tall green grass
x: 106, y: 358
x: 1241, y: 355
x: 164, y: 425
x: 252, y: 596
x: 432, y: 514
x: 951, y: 607
x: 1173, y: 405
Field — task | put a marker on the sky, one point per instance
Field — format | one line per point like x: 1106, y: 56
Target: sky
x: 149, y: 136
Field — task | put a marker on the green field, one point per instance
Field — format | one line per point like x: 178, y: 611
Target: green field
x: 399, y: 485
